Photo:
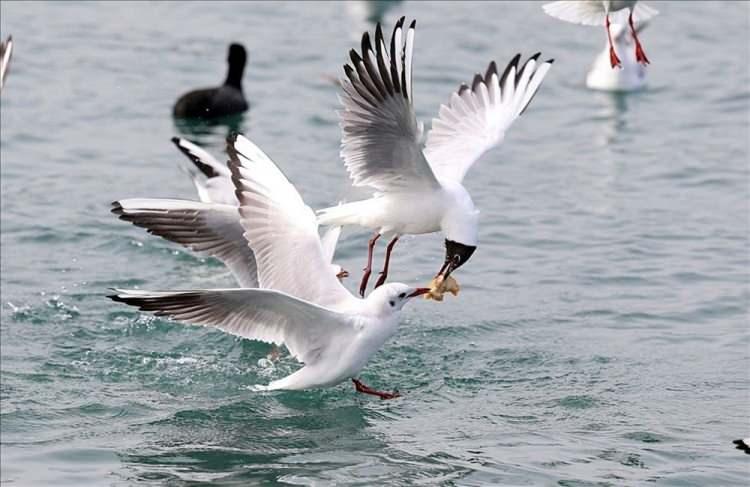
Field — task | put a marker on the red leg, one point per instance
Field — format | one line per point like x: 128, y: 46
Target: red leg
x: 368, y: 269
x: 613, y: 59
x: 384, y: 272
x: 369, y: 390
x: 640, y: 56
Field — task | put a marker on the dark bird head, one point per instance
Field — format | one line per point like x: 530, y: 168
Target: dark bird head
x: 456, y: 255
x: 237, y: 57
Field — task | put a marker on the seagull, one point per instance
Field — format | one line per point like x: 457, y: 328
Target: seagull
x: 6, y: 51
x: 418, y: 190
x: 743, y: 445
x: 631, y: 77
x: 596, y: 12
x: 217, y: 187
x: 219, y: 101
x: 322, y: 324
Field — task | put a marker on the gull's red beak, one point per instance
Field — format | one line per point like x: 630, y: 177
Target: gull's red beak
x: 420, y: 291
x: 344, y: 273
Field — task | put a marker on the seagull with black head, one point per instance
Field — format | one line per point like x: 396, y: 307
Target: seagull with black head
x: 418, y: 189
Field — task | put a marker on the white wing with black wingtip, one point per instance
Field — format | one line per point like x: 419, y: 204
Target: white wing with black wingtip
x: 281, y: 229
x: 267, y: 315
x: 477, y: 116
x: 209, y: 229
x: 381, y: 139
x: 217, y: 186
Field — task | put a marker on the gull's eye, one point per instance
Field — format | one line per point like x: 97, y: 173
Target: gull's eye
x: 402, y: 296
x: 392, y: 303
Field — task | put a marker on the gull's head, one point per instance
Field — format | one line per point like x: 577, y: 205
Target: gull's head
x: 460, y: 226
x: 393, y: 296
x: 456, y: 255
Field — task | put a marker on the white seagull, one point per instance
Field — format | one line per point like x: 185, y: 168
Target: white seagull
x: 597, y: 12
x: 631, y: 77
x: 6, y: 51
x: 418, y: 190
x: 301, y: 306
x: 217, y: 187
x: 208, y: 228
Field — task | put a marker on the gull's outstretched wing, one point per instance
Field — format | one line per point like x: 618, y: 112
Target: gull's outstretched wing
x: 593, y: 12
x: 205, y: 162
x: 477, y: 117
x: 210, y: 229
x: 281, y: 229
x: 381, y: 139
x: 328, y: 241
x: 6, y: 51
x: 258, y: 314
x: 217, y: 187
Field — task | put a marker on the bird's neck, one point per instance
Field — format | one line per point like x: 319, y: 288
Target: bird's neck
x: 234, y: 76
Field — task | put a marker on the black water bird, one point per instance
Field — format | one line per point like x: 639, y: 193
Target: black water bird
x: 220, y: 101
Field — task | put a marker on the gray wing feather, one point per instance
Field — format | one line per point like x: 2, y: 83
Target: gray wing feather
x: 306, y: 329
x: 207, y: 228
x: 381, y: 141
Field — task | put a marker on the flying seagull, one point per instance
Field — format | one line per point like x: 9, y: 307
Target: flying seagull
x: 301, y: 306
x: 418, y: 190
x: 597, y: 12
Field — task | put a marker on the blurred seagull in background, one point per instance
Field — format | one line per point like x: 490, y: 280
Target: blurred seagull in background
x: 301, y: 305
x: 597, y: 12
x: 221, y: 101
x: 631, y: 77
x: 418, y: 190
x: 6, y: 51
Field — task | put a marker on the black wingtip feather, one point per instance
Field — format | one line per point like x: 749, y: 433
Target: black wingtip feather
x: 413, y: 24
x: 513, y: 63
x: 366, y: 44
x: 491, y: 69
x: 476, y: 82
x: 462, y: 88
x: 401, y: 21
x: 378, y: 34
x: 117, y: 208
x: 175, y: 140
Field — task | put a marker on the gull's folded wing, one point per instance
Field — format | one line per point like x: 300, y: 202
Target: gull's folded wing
x: 258, y: 314
x: 281, y: 229
x: 477, y: 117
x: 381, y: 139
x: 210, y: 229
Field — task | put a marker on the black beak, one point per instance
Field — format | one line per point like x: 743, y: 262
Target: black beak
x: 456, y: 255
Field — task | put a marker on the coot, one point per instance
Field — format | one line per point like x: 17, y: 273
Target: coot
x: 221, y: 101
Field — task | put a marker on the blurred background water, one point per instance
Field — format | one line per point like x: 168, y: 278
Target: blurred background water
x: 601, y: 337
